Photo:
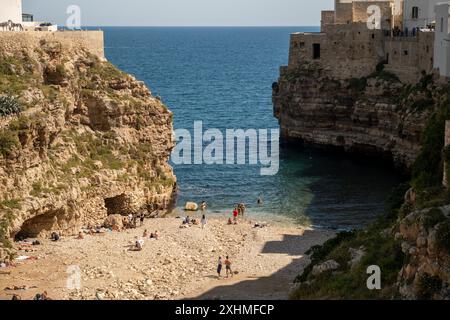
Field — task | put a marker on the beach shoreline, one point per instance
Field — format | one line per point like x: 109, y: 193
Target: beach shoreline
x: 181, y: 264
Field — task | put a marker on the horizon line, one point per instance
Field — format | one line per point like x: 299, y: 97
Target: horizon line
x: 188, y: 26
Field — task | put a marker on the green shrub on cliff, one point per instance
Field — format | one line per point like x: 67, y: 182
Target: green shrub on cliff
x: 443, y: 236
x: 8, y: 142
x: 428, y: 286
x: 432, y: 218
x: 427, y: 170
x: 394, y: 203
x: 106, y: 71
x: 422, y: 104
x: 319, y: 253
x: 11, y: 204
x: 385, y: 75
x: 349, y: 282
x: 9, y: 106
x: 358, y: 84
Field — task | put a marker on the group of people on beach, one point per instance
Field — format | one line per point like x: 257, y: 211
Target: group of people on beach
x: 131, y: 221
x: 139, y: 241
x: 228, y: 269
x: 239, y: 210
x: 188, y: 221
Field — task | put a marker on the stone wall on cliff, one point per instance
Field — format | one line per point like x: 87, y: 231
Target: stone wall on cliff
x: 90, y: 140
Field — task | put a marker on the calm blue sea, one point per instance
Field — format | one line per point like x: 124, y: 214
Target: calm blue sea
x: 223, y: 76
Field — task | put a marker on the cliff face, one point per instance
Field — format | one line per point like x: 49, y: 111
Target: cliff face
x: 426, y: 272
x: 89, y: 141
x: 378, y: 114
x: 375, y: 114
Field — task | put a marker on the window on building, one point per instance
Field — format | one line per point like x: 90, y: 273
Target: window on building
x: 415, y: 12
x: 405, y: 52
x: 373, y: 36
x: 27, y: 17
x: 316, y: 50
x: 442, y: 24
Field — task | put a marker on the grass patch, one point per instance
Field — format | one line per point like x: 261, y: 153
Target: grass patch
x: 9, y: 141
x: 105, y: 70
x: 10, y: 204
x: 350, y: 283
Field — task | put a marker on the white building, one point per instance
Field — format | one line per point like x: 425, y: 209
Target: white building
x: 419, y: 13
x: 442, y: 39
x: 11, y: 10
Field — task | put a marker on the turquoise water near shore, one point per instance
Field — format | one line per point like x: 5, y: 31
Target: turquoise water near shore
x: 223, y: 76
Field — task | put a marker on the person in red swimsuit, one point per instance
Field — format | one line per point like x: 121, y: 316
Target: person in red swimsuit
x: 235, y: 214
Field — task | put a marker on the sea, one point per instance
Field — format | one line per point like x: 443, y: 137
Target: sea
x: 223, y: 77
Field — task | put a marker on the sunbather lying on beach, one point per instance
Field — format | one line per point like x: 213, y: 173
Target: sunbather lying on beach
x: 138, y: 245
x: 154, y: 235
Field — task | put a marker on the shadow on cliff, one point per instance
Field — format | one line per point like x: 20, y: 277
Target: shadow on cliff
x: 275, y: 286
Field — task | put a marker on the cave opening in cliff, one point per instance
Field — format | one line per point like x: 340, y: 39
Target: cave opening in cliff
x: 40, y: 226
x: 118, y: 205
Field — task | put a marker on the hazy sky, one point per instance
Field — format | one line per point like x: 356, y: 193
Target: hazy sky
x: 183, y: 12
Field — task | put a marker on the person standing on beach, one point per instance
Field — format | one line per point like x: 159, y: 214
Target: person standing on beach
x: 242, y: 209
x: 203, y: 206
x: 235, y: 215
x: 219, y: 267
x: 203, y: 221
x: 228, y: 266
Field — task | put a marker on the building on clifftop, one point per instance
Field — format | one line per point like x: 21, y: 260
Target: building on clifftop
x: 358, y: 35
x: 14, y: 24
x: 442, y: 41
x: 11, y: 10
x: 13, y: 19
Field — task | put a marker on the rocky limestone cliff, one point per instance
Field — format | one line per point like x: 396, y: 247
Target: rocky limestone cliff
x: 426, y: 271
x: 89, y: 141
x: 376, y: 114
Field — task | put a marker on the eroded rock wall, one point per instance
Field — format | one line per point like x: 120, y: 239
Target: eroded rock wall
x: 87, y: 132
x: 374, y: 114
x: 426, y: 271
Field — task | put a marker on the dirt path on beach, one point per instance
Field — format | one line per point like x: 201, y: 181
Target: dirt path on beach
x: 180, y: 265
